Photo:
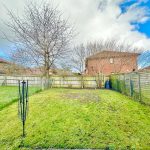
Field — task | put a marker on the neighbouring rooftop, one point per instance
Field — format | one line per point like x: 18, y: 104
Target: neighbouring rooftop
x: 109, y: 53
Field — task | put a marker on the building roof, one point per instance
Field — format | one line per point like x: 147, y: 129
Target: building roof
x: 108, y: 54
x: 146, y: 68
x: 3, y: 61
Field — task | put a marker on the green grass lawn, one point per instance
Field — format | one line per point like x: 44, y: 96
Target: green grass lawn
x: 9, y: 94
x: 63, y: 118
x: 146, y: 97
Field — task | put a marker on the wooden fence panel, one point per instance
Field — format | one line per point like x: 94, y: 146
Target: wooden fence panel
x: 136, y: 85
x: 56, y: 81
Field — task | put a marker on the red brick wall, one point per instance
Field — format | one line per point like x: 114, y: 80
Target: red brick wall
x: 119, y: 65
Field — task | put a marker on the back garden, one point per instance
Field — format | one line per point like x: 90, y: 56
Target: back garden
x: 87, y: 89
x: 74, y: 118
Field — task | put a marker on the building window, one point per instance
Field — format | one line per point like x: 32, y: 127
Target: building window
x: 111, y: 60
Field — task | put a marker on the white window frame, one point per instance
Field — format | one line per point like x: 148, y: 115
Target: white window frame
x: 111, y: 60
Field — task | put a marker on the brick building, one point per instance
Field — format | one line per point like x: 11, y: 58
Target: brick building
x: 109, y: 62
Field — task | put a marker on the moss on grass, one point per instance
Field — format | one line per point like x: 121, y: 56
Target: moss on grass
x: 58, y: 118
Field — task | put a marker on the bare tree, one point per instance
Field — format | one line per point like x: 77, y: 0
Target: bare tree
x: 94, y: 47
x: 78, y: 58
x: 41, y: 36
x: 81, y: 52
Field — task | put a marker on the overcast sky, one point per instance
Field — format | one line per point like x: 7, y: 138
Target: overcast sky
x: 127, y: 20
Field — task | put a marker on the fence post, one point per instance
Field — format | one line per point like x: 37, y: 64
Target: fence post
x: 60, y: 78
x: 63, y: 81
x: 42, y: 83
x: 124, y: 84
x: 131, y: 85
x: 139, y: 86
x: 82, y: 82
x: 99, y: 81
x: 51, y: 82
x: 5, y: 81
x: 117, y: 83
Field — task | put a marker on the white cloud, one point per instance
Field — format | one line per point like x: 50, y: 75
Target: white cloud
x: 95, y: 20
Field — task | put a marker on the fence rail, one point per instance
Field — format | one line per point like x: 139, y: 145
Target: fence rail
x: 57, y: 81
x: 136, y: 85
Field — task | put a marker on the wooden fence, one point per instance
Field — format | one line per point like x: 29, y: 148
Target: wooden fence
x: 136, y: 85
x: 57, y: 81
x: 13, y: 80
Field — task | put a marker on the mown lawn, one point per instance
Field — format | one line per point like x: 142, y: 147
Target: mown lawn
x: 62, y: 118
x: 145, y: 97
x: 9, y: 94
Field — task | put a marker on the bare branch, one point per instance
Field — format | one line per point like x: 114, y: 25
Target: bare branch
x: 42, y: 35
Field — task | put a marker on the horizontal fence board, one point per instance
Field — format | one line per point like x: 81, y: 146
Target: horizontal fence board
x: 136, y: 85
x: 56, y: 81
